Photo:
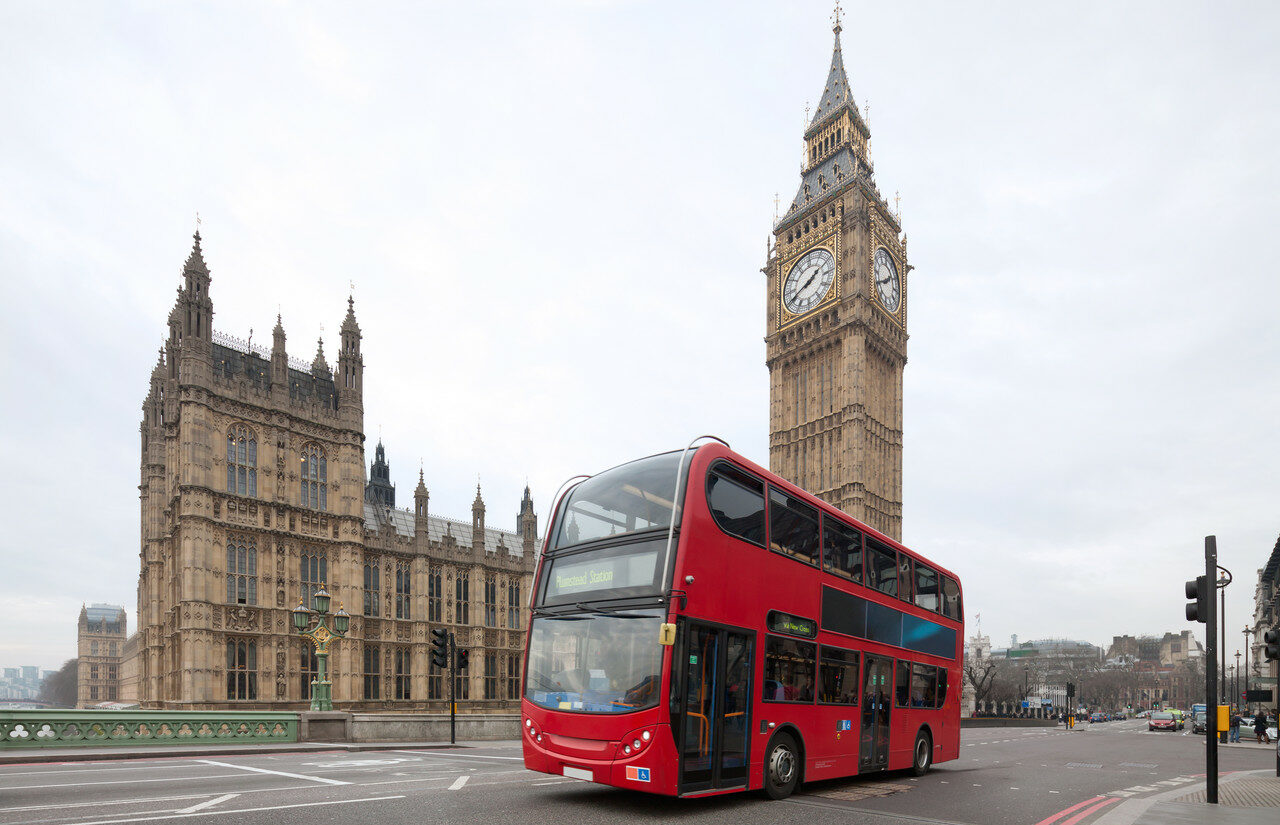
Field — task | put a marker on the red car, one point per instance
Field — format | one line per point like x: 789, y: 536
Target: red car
x: 1161, y: 721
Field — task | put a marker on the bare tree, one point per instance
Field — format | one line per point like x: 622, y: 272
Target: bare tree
x: 59, y: 687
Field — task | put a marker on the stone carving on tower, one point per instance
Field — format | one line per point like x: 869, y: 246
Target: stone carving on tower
x: 836, y: 328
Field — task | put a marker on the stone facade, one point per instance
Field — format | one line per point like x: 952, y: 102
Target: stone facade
x: 254, y: 494
x: 836, y: 327
x: 100, y: 648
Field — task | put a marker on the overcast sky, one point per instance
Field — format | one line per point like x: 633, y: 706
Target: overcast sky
x: 555, y: 215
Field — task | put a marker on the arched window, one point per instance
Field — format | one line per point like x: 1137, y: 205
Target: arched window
x: 315, y: 573
x: 242, y: 461
x: 371, y: 590
x: 314, y: 476
x: 242, y: 570
x: 242, y: 669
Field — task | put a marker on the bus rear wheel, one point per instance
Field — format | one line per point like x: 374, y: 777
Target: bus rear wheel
x: 781, y: 767
x: 923, y: 754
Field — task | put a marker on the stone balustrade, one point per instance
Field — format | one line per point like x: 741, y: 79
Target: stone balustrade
x: 70, y: 728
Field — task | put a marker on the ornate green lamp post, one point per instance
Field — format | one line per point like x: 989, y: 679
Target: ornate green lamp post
x: 321, y: 636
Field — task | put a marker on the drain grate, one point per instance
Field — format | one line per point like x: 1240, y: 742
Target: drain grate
x: 851, y: 791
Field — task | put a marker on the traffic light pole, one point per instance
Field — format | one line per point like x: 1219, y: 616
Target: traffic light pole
x: 453, y: 680
x: 1211, y: 672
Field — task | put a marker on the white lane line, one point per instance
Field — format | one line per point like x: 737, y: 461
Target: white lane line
x: 552, y: 782
x: 208, y: 803
x: 275, y: 773
x: 239, y: 811
x: 144, y: 800
x: 123, y: 782
x: 458, y: 783
x: 4, y: 774
x: 461, y: 755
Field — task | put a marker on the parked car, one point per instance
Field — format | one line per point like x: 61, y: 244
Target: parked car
x: 1162, y: 720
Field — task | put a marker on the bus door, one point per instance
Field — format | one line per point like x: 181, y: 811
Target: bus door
x: 714, y: 707
x: 877, y: 700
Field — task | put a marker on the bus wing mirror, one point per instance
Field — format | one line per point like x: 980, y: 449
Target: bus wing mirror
x: 666, y: 634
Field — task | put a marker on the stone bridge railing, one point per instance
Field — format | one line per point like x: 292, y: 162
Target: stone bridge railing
x: 70, y: 728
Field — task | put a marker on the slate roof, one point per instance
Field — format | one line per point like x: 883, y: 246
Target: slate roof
x: 402, y: 521
x: 835, y: 171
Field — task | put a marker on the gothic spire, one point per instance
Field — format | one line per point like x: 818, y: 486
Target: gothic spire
x: 837, y: 93
x: 319, y: 366
x: 195, y: 261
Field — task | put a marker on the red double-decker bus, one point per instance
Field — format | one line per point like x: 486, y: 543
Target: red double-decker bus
x: 759, y: 639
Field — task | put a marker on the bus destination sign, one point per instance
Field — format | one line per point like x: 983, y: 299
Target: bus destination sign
x: 792, y: 625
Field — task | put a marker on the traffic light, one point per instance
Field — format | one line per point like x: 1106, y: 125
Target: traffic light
x: 1071, y: 691
x: 463, y: 653
x: 1271, y: 644
x: 440, y: 648
x: 1198, y: 590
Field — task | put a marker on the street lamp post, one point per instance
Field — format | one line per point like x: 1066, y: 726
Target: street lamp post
x: 1247, y: 631
x: 1236, y: 686
x: 321, y: 636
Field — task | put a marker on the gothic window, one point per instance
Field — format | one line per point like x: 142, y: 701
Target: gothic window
x: 314, y: 477
x: 242, y: 669
x: 93, y: 671
x: 491, y: 676
x: 490, y: 602
x: 462, y: 597
x: 513, y: 676
x: 111, y: 649
x: 435, y: 595
x: 112, y: 672
x: 242, y: 570
x: 513, y: 604
x: 93, y: 648
x: 403, y: 590
x: 111, y: 693
x: 435, y: 681
x: 315, y: 572
x: 462, y: 687
x: 242, y: 462
x: 310, y: 670
x: 371, y: 589
x: 404, y: 672
x: 372, y: 672
x: 93, y: 693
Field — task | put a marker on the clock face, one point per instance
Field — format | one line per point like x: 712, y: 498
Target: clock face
x: 809, y: 280
x: 888, y: 286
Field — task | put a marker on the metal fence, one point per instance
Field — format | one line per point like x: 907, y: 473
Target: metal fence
x: 69, y: 728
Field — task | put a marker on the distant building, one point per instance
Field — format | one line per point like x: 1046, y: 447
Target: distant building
x: 1264, y: 675
x: 100, y: 638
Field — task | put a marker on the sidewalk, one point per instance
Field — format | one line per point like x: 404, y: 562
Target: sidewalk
x: 92, y: 754
x: 1244, y: 798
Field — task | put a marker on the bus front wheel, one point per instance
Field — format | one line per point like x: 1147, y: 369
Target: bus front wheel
x: 781, y: 767
x: 923, y: 757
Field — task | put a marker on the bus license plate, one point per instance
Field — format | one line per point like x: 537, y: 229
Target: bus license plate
x: 578, y: 773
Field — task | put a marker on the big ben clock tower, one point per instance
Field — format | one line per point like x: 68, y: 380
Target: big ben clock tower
x: 836, y: 335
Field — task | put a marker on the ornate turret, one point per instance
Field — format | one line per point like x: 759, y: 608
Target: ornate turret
x: 197, y: 309
x: 279, y: 356
x: 319, y: 366
x: 420, y: 497
x: 527, y: 523
x: 350, y: 377
x: 380, y: 490
x: 477, y: 521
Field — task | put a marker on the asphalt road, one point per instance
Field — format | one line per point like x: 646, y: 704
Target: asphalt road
x: 1005, y: 776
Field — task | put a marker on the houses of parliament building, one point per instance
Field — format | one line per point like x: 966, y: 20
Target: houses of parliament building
x: 254, y: 494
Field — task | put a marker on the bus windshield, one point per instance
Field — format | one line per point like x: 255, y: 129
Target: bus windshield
x: 635, y: 496
x: 597, y: 663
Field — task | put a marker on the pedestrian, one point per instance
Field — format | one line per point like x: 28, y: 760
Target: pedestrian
x: 1260, y: 727
x: 1235, y: 727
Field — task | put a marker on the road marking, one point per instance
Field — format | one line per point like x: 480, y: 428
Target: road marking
x: 552, y: 782
x: 1096, y: 800
x: 275, y: 773
x: 239, y: 810
x: 462, y: 756
x: 144, y: 799
x: 458, y: 783
x: 209, y: 803
x: 122, y: 782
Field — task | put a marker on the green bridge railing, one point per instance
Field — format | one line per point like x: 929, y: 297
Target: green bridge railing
x: 70, y: 728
